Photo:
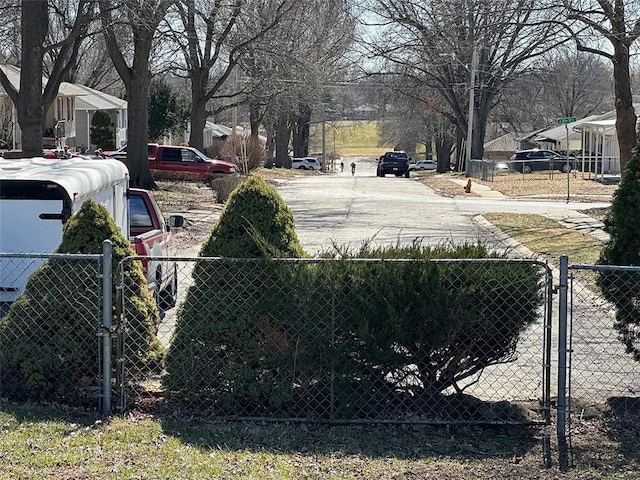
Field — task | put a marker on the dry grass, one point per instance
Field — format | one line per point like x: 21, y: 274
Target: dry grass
x: 530, y: 186
x: 546, y: 237
x: 551, y: 186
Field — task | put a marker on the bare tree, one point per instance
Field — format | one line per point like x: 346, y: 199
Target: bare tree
x: 302, y: 59
x: 617, y: 22
x: 39, y: 40
x: 575, y: 84
x: 445, y: 43
x: 212, y: 38
x: 94, y: 68
x: 130, y: 28
x: 563, y: 83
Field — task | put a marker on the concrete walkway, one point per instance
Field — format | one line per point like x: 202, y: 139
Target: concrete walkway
x: 569, y: 218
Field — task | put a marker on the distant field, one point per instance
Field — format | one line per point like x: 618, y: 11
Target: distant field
x: 348, y: 137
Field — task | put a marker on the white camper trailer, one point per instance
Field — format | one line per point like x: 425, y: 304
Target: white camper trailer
x: 38, y: 195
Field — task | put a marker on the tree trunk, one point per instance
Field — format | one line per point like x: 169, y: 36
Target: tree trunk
x: 254, y: 119
x: 301, y: 132
x: 138, y: 113
x: 480, y: 118
x: 443, y: 154
x: 625, y: 114
x: 282, y: 142
x: 198, y: 116
x: 137, y: 153
x: 30, y: 105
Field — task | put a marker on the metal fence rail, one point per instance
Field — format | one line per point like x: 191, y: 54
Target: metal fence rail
x: 326, y: 340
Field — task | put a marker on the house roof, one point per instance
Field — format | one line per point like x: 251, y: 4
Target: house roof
x: 218, y: 130
x: 94, y: 100
x: 66, y: 89
x: 504, y: 143
x: 558, y: 133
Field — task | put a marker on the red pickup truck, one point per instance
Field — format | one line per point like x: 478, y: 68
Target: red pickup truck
x: 176, y: 158
x: 151, y: 236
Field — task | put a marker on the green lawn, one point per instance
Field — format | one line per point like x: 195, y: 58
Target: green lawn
x: 348, y: 137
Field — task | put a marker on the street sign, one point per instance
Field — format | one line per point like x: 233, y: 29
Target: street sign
x: 562, y: 121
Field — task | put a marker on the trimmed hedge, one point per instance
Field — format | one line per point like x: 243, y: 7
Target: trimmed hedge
x: 208, y: 348
x: 350, y: 329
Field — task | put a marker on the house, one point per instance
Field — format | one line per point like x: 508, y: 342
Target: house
x: 86, y: 105
x: 555, y: 137
x: 501, y: 148
x: 68, y: 120
x: 600, y: 142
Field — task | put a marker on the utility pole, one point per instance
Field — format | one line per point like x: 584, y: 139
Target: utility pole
x: 472, y: 87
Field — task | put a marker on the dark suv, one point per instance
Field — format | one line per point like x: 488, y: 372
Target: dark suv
x: 527, y: 161
x: 393, y: 162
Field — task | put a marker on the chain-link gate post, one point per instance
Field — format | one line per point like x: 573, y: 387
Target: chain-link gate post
x: 563, y: 458
x: 107, y: 322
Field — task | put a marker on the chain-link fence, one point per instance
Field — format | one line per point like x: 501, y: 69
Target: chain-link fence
x: 604, y: 340
x: 348, y: 340
x: 50, y: 328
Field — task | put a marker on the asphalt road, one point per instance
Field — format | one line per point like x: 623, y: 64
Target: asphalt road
x: 348, y: 210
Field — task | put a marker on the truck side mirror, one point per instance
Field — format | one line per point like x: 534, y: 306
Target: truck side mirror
x: 175, y: 221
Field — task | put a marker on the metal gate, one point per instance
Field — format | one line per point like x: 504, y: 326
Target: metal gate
x: 597, y: 371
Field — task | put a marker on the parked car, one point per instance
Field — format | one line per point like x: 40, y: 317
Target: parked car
x: 423, y: 165
x: 527, y: 161
x: 306, y: 163
x: 502, y: 167
x: 121, y: 153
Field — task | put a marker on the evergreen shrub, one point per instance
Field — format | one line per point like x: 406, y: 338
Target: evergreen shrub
x: 621, y: 287
x: 217, y: 347
x: 49, y: 347
x: 275, y: 335
x: 102, y: 132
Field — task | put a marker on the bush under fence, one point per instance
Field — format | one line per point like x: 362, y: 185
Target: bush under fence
x: 353, y: 340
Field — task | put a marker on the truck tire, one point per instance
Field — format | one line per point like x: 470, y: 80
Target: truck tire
x: 406, y: 175
x: 169, y: 295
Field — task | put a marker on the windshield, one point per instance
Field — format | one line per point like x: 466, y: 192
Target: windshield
x: 201, y: 155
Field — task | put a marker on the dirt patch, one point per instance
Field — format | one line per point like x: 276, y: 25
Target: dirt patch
x: 198, y: 203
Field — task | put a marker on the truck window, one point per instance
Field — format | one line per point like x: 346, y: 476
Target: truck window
x: 171, y: 154
x: 188, y: 156
x: 139, y: 212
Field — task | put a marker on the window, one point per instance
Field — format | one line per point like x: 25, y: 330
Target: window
x: 171, y: 155
x: 188, y: 156
x: 139, y: 213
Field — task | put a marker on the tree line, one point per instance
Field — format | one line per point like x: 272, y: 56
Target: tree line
x: 281, y: 61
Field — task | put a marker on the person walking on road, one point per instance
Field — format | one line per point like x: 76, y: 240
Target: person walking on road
x: 341, y: 166
x: 353, y: 168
